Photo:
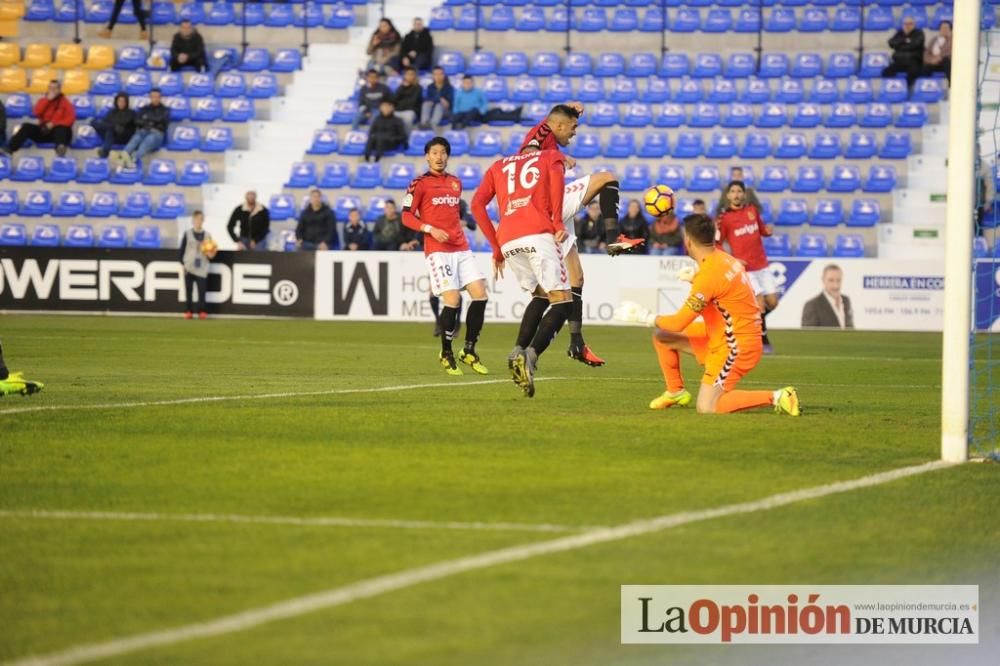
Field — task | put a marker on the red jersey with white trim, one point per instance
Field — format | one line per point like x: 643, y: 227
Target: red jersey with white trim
x: 743, y: 229
x: 434, y: 199
x: 540, y: 137
x: 529, y: 193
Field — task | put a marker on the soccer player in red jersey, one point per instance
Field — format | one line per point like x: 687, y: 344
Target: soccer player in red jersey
x: 556, y: 131
x: 529, y: 191
x: 431, y: 206
x: 742, y: 227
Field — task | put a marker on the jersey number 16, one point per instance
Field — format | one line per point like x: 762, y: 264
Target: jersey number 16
x: 527, y: 178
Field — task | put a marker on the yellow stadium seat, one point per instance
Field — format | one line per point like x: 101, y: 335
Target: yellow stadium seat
x: 13, y: 79
x: 10, y: 54
x: 40, y: 80
x: 76, y: 82
x: 37, y: 55
x: 10, y: 11
x: 100, y: 57
x: 69, y: 56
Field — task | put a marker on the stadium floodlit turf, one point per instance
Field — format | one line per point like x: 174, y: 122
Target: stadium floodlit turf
x: 584, y: 452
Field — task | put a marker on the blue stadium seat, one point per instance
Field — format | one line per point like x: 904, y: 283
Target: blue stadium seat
x: 8, y: 202
x: 376, y: 206
x: 845, y: 179
x: 495, y: 88
x: 652, y: 20
x: 814, y: 20
x: 113, y: 236
x: 846, y: 19
x: 807, y: 66
x: 94, y: 170
x: 558, y: 20
x: 790, y: 91
x: 282, y: 207
x: 343, y: 112
x: 5, y: 168
x: 656, y: 91
x: 675, y: 65
x: 45, y: 235
x: 826, y: 146
x: 160, y: 172
x: 775, y: 179
x: 688, y: 145
x: 842, y: 115
x: 513, y: 63
x: 808, y: 179
x: 861, y: 146
x: 170, y: 206
x: 641, y: 65
x: 577, y: 64
x: 811, y: 245
x: 756, y: 145
x: 824, y: 91
x: 440, y: 19
x: 828, y: 213
x: 705, y: 179
x: 609, y: 64
x: 470, y: 175
x: 255, y: 60
x: 138, y: 83
x: 169, y: 83
x: 238, y: 110
x: 79, y: 235
x: 136, y: 204
x: 864, y: 213
x: 324, y: 143
x: 705, y: 115
x: 638, y: 114
x: 919, y: 15
x: 29, y: 169
x: 262, y: 86
x: 849, y: 245
x: 859, y: 91
x: 773, y: 65
x: 61, y: 170
x: 673, y: 176
x: 205, y: 109
x: 545, y: 63
x: 604, y: 115
x: 146, y: 237
x: 183, y: 138
x: 737, y: 116
x: 879, y: 19
x: 723, y: 145
x: 841, y: 65
x: 707, y: 65
x: 671, y: 115
x: 624, y: 19
x: 623, y: 91
x: 335, y: 175
x: 780, y: 20
x: 180, y: 108
x: 892, y: 91
x: 741, y: 66
x: 587, y: 145
x: 67, y: 12
x: 279, y: 16
x: 19, y: 105
x: 199, y: 85
x: 635, y: 178
x: 778, y: 245
x: 500, y: 19
x: 689, y: 92
x: 486, y: 144
x: 103, y: 204
x: 913, y: 114
x: 559, y: 89
x: 881, y: 179
x: 896, y: 146
x: 131, y: 57
x: 159, y: 58
x: 592, y: 20
x: 928, y: 90
x: 459, y: 141
x: 126, y: 175
x: 217, y: 140
x: 756, y: 91
x: 806, y: 114
x: 876, y: 115
x: 747, y: 20
x: 286, y: 60
x: 415, y: 146
x: 942, y: 13
x: 104, y: 83
x: 303, y: 175
x: 231, y: 85
x: 69, y: 204
x: 772, y: 115
x: 344, y: 204
x: 36, y: 203
x: 194, y: 172
x: 192, y: 11
x: 220, y: 13
x: 525, y: 89
x: 723, y: 91
x: 872, y: 65
x: 40, y: 10
x: 654, y: 145
x: 686, y: 20
x: 366, y: 176
x: 717, y: 21
x: 792, y: 213
x: 481, y: 63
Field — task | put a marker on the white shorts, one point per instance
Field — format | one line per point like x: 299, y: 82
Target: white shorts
x: 763, y: 282
x: 537, y: 260
x: 572, y: 204
x: 451, y: 271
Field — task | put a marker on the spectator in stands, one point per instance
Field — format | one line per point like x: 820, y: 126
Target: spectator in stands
x: 116, y: 127
x: 188, y: 49
x: 698, y: 206
x: 389, y: 230
x: 317, y: 228
x: 383, y: 46
x: 469, y: 105
x: 55, y: 114
x: 907, y: 52
x: 140, y: 16
x: 666, y: 236
x: 408, y: 99
x: 438, y: 98
x: 355, y: 233
x: 590, y: 230
x: 370, y: 95
x: 386, y: 134
x: 417, y: 49
x: 937, y: 55
x: 633, y: 225
x: 150, y: 130
x: 196, y: 255
x: 254, y: 220
x: 736, y: 173
x: 830, y: 309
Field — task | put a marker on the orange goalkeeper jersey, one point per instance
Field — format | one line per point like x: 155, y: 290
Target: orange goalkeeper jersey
x: 721, y: 294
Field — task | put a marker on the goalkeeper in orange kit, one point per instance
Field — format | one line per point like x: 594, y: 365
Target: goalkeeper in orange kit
x: 727, y: 342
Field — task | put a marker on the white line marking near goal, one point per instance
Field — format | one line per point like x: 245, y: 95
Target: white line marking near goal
x: 318, y: 521
x: 260, y: 396
x: 372, y: 587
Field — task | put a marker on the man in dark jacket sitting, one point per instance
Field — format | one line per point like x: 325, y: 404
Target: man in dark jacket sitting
x: 151, y: 130
x: 418, y: 47
x: 355, y: 233
x: 386, y: 133
x: 254, y: 220
x: 317, y: 228
x: 408, y: 99
x: 187, y: 49
x: 117, y: 125
x: 907, y: 52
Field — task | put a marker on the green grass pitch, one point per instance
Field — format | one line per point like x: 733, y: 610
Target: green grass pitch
x: 584, y: 452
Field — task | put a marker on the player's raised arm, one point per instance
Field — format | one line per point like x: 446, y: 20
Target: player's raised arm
x: 484, y: 194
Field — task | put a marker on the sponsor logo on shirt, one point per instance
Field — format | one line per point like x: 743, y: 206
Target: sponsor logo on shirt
x: 745, y: 230
x: 519, y: 250
x: 448, y: 200
x: 514, y: 204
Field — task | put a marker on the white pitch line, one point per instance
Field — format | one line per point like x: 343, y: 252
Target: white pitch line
x: 372, y: 587
x: 259, y: 396
x: 319, y: 521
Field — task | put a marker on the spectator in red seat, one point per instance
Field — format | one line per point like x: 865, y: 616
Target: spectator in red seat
x: 56, y: 116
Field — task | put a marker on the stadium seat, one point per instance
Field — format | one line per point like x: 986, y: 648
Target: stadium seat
x: 896, y: 146
x: 841, y: 65
x: 880, y: 179
x: 263, y: 85
x: 846, y: 19
x: 470, y: 175
x: 652, y: 20
x: 671, y: 115
x: 525, y: 89
x: 486, y: 144
x: 780, y: 20
x: 68, y: 56
x: 334, y: 175
x: 45, y: 235
x: 481, y: 63
x: 656, y: 91
x: 842, y: 115
x: 106, y: 83
x: 577, y: 64
x: 126, y: 175
x: 303, y: 175
x: 203, y: 109
x: 849, y: 245
x: 814, y: 19
x: 255, y: 60
x: 13, y: 80
x: 686, y: 20
x: 169, y: 207
x: 689, y: 92
x: 807, y: 66
x: 8, y: 202
x: 624, y: 91
x: 495, y: 88
x: 559, y: 89
x: 36, y: 203
x: 723, y: 145
x: 441, y: 18
x: 638, y: 114
x: 279, y: 16
x: 586, y: 145
x: 705, y: 179
x: 859, y: 91
x: 641, y: 65
x: 635, y: 178
x: 180, y: 108
x: 688, y: 145
x: 513, y: 63
x: 40, y: 10
x: 845, y: 179
x: 609, y: 64
x: 131, y: 58
x: 707, y: 65
x: 741, y: 66
x: 366, y: 176
x: 500, y: 19
x: 606, y: 115
x: 592, y: 20
x: 879, y: 19
x: 756, y: 91
x: 775, y: 179
x: 892, y: 91
x: 792, y: 213
x: 169, y: 83
x: 824, y: 91
x: 192, y: 11
x: 230, y: 85
x: 415, y: 146
x: 624, y: 19
x: 806, y: 115
x: 103, y: 204
x: 913, y: 114
x: 18, y: 105
x: 872, y: 65
x: 672, y: 176
x: 113, y: 236
x: 194, y: 172
x: 828, y: 213
x: 654, y: 145
x: 773, y: 65
x: 723, y: 91
x: 928, y: 90
x: 343, y: 112
x: 183, y: 138
x: 29, y: 169
x: 146, y: 237
x: 532, y: 19
x: 545, y: 63
x: 738, y: 115
x: 675, y: 65
x: 324, y: 143
x: 826, y: 146
x: 706, y: 115
x: 772, y: 115
x: 718, y: 21
x: 217, y: 140
x: 40, y: 79
x: 876, y: 115
x: 282, y: 207
x: 94, y: 170
x: 61, y: 170
x: 778, y: 245
x: 36, y: 55
x: 69, y: 204
x: 808, y: 179
x: 811, y: 245
x: 344, y: 204
x: 79, y: 235
x: 861, y: 146
x: 790, y: 91
x: 85, y: 137
x: 138, y: 83
x: 747, y: 20
x: 756, y: 145
x: 286, y: 60
x: 160, y: 172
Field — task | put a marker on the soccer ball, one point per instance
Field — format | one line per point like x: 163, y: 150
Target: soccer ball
x: 659, y: 200
x: 209, y: 247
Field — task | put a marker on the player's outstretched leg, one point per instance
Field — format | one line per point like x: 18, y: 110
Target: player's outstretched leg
x: 552, y: 322
x: 449, y: 315
x: 667, y: 346
x: 530, y: 320
x: 14, y: 383
x: 474, y: 325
